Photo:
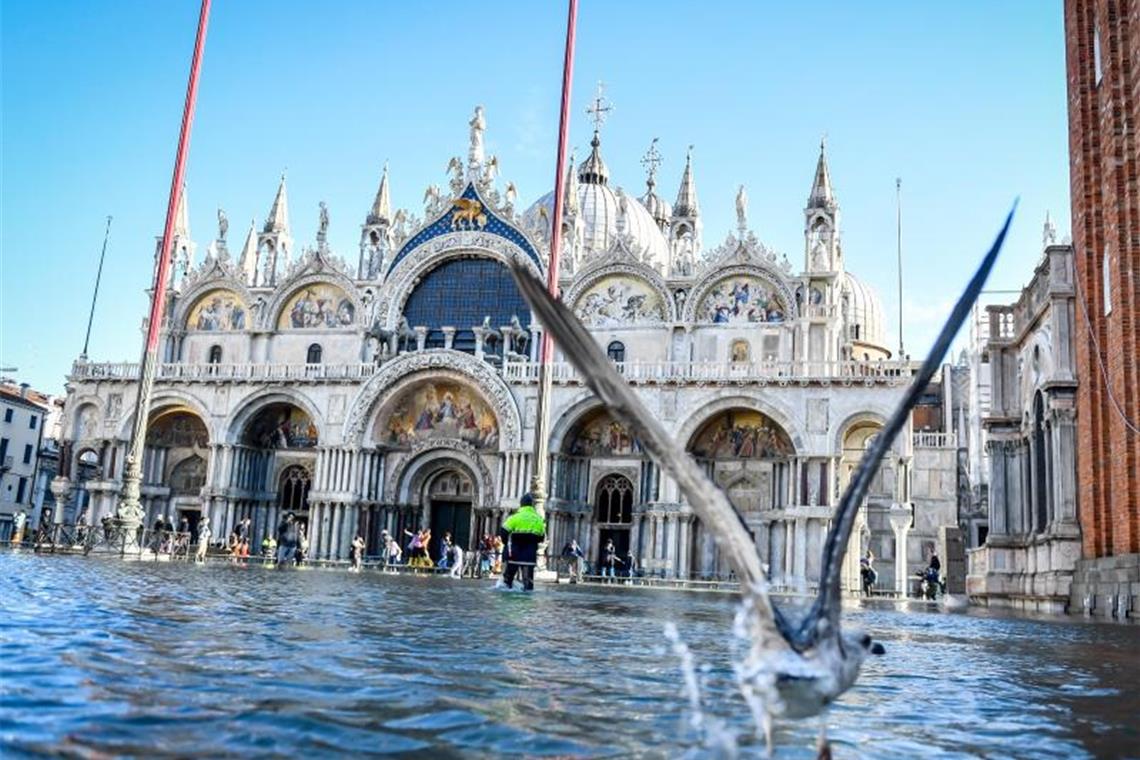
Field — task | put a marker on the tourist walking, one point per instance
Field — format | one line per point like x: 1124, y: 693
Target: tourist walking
x: 392, y: 552
x: 867, y: 573
x: 286, y: 539
x: 610, y: 559
x: 302, y: 550
x: 445, y: 551
x: 497, y: 554
x: 356, y: 552
x: 630, y: 565
x: 269, y: 547
x: 523, y: 531
x: 203, y: 539
x: 573, y: 555
x: 455, y: 560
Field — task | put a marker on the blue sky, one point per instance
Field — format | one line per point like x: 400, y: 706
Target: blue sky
x: 965, y: 101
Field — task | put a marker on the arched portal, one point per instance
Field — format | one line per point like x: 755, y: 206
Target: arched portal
x: 613, y: 515
x: 749, y: 455
x: 175, y: 459
x: 270, y: 470
x: 871, y: 537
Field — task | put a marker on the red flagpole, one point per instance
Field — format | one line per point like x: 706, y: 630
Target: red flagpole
x: 130, y: 510
x: 546, y: 348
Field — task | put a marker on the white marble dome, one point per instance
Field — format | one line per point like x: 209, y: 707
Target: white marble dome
x: 865, y: 311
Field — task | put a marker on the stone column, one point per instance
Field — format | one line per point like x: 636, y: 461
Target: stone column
x: 448, y: 336
x: 480, y: 335
x: 900, y: 517
x: 998, y: 506
x: 1064, y: 467
x: 421, y: 337
x: 799, y: 549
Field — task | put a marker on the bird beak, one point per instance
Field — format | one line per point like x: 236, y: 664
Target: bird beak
x: 878, y: 649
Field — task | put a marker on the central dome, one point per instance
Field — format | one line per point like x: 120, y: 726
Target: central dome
x: 598, y: 211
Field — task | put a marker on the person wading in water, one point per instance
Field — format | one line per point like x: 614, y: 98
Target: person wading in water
x: 522, y: 533
x: 286, y: 539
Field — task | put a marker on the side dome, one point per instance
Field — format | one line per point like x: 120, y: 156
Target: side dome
x: 864, y: 312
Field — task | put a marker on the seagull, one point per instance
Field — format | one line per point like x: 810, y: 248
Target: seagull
x: 794, y: 668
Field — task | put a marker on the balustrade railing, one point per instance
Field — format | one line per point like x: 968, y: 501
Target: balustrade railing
x: 522, y: 372
x: 936, y: 440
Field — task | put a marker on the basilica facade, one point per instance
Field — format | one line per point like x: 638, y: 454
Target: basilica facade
x: 401, y: 390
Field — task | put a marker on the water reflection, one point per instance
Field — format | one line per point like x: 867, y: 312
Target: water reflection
x: 155, y: 660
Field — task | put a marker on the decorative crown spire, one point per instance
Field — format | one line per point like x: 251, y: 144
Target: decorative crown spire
x: 821, y: 192
x: 381, y: 207
x: 571, y: 199
x: 247, y: 262
x: 687, y: 204
x: 182, y: 217
x: 278, y: 219
x: 651, y: 160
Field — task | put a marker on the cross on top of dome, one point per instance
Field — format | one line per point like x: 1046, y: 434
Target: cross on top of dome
x: 599, y: 108
x: 651, y: 160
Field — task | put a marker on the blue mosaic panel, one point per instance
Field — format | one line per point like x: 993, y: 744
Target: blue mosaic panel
x: 442, y: 226
x: 459, y: 293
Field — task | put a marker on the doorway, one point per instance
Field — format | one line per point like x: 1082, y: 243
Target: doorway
x: 449, y: 496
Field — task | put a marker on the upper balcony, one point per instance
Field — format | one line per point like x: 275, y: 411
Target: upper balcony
x: 526, y: 372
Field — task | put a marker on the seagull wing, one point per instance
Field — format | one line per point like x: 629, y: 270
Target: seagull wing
x: 827, y: 604
x: 708, y: 501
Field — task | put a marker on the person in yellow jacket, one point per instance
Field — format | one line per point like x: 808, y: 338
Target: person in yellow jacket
x: 522, y: 532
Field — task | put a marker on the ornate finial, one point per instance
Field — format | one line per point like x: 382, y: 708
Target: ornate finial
x: 651, y: 160
x: 1049, y: 232
x: 599, y: 108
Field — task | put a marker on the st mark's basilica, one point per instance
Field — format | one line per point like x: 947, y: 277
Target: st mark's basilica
x: 400, y: 390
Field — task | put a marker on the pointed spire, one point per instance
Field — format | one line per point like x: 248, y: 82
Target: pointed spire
x: 278, y: 219
x: 570, y: 201
x: 182, y: 217
x: 821, y: 192
x: 247, y: 262
x: 687, y: 204
x: 381, y: 207
x: 1048, y: 232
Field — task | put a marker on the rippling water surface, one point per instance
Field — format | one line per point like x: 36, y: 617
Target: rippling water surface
x: 102, y: 657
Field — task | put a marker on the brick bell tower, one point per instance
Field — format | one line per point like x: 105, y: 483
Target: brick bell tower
x: 1102, y: 44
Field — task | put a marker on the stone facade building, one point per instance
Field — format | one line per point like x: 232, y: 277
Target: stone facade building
x: 1033, y: 541
x: 402, y: 391
x: 1103, y: 64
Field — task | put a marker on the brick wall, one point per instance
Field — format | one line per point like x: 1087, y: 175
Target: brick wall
x: 1104, y: 150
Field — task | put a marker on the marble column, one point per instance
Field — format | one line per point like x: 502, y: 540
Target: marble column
x: 448, y: 336
x: 900, y: 517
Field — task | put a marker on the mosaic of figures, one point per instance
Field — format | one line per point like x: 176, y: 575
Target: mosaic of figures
x: 741, y: 299
x: 217, y: 310
x: 318, y: 306
x: 741, y: 434
x: 177, y: 429
x: 281, y: 426
x: 600, y: 435
x: 619, y: 300
x: 439, y: 410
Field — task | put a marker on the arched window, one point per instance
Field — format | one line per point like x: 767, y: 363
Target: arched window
x: 614, y: 499
x: 293, y: 489
x: 215, y: 355
x: 461, y: 293
x: 616, y: 351
x: 314, y: 354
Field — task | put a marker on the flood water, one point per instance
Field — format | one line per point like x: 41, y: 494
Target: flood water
x: 101, y: 657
